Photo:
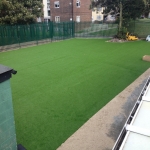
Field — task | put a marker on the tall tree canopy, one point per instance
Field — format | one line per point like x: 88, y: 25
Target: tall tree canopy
x: 20, y: 11
x: 123, y: 9
x: 130, y: 8
x: 147, y: 8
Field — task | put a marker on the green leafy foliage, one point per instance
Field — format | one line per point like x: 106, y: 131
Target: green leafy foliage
x: 131, y: 8
x: 123, y: 10
x: 35, y: 6
x: 122, y: 33
x: 19, y: 11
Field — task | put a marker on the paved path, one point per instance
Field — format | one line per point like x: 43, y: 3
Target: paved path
x: 101, y: 131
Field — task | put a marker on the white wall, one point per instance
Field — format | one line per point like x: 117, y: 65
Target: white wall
x: 45, y: 8
x: 97, y: 14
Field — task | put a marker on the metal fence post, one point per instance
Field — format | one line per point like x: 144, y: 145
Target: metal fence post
x: 36, y: 34
x: 73, y: 29
x: 52, y: 30
x: 63, y: 30
x: 18, y: 36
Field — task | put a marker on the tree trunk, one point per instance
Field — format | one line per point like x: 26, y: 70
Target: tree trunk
x: 120, y: 19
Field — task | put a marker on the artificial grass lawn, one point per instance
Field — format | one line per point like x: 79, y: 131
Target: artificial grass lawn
x: 59, y: 86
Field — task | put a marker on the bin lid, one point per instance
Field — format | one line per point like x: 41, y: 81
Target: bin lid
x: 5, y: 73
x: 4, y: 69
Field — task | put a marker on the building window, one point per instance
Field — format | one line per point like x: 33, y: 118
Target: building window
x: 56, y: 4
x: 48, y: 6
x: 49, y: 13
x: 77, y: 18
x: 46, y: 20
x: 98, y: 17
x: 57, y: 19
x: 78, y: 3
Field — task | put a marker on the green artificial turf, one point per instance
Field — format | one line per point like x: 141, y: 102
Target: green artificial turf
x: 59, y: 86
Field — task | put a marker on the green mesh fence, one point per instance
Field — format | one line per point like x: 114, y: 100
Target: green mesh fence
x: 141, y: 28
x: 89, y: 29
x: 7, y: 127
x: 22, y: 35
x: 63, y: 30
x: 35, y: 33
x: 25, y: 35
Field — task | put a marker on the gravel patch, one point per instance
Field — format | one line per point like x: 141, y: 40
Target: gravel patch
x: 117, y: 40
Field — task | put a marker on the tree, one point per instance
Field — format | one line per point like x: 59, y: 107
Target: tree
x: 147, y: 8
x: 34, y: 6
x: 125, y: 9
x: 133, y: 9
x: 19, y: 12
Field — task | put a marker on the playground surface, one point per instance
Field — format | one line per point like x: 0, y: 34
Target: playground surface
x: 102, y: 130
x: 60, y: 86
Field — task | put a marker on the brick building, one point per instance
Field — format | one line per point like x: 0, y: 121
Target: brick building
x: 65, y: 10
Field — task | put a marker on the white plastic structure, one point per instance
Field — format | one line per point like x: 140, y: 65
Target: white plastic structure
x: 148, y: 38
x: 135, y: 134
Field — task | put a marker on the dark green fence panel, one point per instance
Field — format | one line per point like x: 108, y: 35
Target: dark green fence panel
x: 24, y: 34
x: 36, y: 33
x: 8, y: 35
x: 63, y: 30
x: 141, y: 28
x: 89, y: 29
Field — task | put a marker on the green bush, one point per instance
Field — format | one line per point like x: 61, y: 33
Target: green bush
x: 122, y: 33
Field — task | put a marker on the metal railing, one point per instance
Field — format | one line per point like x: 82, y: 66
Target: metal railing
x: 34, y: 34
x: 20, y: 35
x: 94, y: 30
x: 141, y: 28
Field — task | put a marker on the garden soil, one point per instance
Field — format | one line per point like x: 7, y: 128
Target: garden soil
x: 102, y: 130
